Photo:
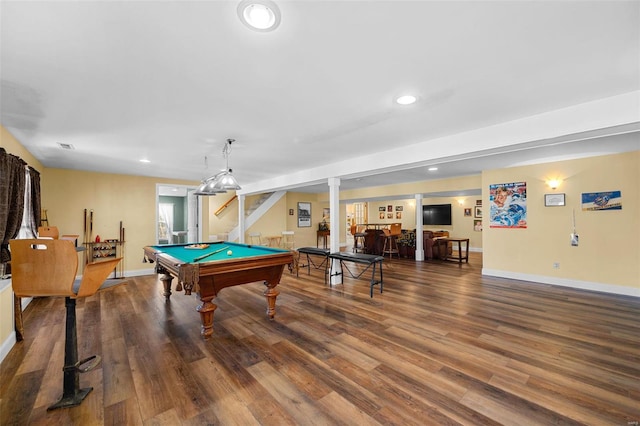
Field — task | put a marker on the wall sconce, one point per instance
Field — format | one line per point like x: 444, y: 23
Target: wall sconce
x: 460, y: 202
x: 553, y: 183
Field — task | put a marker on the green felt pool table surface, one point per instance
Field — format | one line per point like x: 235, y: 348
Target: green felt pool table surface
x: 183, y: 253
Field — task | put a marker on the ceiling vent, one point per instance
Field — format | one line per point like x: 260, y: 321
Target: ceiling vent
x: 66, y: 146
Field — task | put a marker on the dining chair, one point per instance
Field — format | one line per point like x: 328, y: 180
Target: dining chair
x: 255, y: 238
x: 288, y: 240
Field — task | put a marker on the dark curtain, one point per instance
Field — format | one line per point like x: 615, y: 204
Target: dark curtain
x: 12, y: 185
x: 34, y: 175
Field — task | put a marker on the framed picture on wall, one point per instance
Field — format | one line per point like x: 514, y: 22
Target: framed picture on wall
x: 326, y: 212
x: 382, y: 209
x: 304, y: 215
x: 389, y: 208
x: 398, y: 215
x: 382, y: 215
x: 467, y: 212
x: 553, y: 200
x: 477, y: 211
x: 389, y: 215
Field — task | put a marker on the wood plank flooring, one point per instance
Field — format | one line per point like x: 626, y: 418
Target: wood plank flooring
x: 442, y: 345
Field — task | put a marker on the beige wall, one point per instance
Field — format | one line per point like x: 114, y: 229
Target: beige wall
x: 227, y: 219
x: 608, y: 255
x: 13, y: 146
x: 304, y: 237
x: 113, y: 198
x: 409, y: 189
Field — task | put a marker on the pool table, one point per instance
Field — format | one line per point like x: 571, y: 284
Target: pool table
x: 221, y: 264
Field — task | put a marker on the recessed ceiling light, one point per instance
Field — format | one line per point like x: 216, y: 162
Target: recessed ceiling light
x: 259, y: 15
x: 406, y: 99
x: 144, y: 160
x: 66, y: 146
x: 432, y: 169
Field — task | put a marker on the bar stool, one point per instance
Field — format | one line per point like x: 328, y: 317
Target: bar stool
x: 391, y: 240
x: 358, y: 240
x: 48, y: 268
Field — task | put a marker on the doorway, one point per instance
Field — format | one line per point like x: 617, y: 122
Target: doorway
x: 178, y: 215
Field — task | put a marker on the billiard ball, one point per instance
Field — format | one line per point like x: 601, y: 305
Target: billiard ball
x: 229, y: 253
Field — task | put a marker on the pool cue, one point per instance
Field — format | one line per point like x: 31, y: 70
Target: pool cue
x: 84, y: 231
x: 199, y: 258
x: 91, y: 226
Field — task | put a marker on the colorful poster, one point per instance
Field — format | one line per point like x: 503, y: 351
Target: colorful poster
x: 593, y: 201
x: 508, y: 203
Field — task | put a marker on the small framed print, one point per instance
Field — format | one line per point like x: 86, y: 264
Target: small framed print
x: 467, y: 212
x: 551, y: 200
x: 477, y: 211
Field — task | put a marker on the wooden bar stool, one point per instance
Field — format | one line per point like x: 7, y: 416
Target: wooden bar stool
x: 391, y: 240
x: 48, y: 268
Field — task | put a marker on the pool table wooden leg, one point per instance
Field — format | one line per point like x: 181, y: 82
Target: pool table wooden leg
x: 166, y: 279
x: 206, y: 309
x: 271, y: 294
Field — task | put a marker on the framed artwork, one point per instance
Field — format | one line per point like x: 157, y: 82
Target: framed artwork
x: 290, y: 212
x: 389, y: 215
x: 508, y: 205
x: 477, y: 211
x: 554, y: 200
x: 304, y: 215
x: 478, y: 202
x: 382, y: 209
x: 467, y: 212
x: 382, y: 215
x: 398, y: 215
x: 326, y: 213
x: 398, y: 208
x: 596, y: 201
x: 389, y: 208
x: 477, y: 225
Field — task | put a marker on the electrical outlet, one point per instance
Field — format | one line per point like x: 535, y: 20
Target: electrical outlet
x: 556, y: 265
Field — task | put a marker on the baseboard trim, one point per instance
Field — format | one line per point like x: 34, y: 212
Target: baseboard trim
x: 6, y: 346
x: 563, y: 282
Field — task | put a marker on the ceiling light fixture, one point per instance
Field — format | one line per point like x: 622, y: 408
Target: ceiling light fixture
x: 220, y: 182
x: 432, y: 169
x: 144, y: 160
x: 406, y: 100
x: 259, y: 15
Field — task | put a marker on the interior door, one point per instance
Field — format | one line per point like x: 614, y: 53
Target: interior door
x: 192, y: 217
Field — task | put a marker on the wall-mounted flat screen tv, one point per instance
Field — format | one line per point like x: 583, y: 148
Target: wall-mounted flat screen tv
x: 436, y: 214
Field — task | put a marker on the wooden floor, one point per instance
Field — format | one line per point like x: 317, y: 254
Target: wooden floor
x: 441, y: 345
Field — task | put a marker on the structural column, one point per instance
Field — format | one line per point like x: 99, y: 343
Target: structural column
x: 241, y: 225
x: 419, y: 233
x: 334, y: 218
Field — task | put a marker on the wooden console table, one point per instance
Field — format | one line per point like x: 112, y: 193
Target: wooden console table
x: 324, y: 235
x: 451, y: 256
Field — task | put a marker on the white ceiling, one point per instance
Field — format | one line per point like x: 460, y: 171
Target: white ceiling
x: 170, y: 81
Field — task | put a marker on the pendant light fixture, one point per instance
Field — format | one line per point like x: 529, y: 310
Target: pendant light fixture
x: 221, y: 182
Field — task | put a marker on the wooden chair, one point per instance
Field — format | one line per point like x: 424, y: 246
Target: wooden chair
x: 288, y: 240
x: 255, y: 238
x: 48, y: 231
x: 46, y: 267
